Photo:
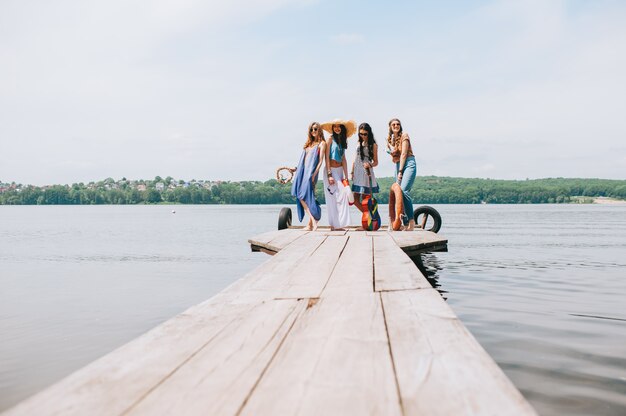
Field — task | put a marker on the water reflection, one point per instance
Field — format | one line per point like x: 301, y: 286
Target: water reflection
x: 429, y: 265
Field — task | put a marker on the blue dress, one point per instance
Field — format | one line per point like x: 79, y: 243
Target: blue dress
x: 303, y: 188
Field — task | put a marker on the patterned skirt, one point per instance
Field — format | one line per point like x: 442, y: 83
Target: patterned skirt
x: 361, y: 182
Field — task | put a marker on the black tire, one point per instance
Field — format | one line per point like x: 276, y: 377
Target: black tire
x: 428, y: 212
x: 284, y: 218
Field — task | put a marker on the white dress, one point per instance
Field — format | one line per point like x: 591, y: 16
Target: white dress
x: 337, y: 203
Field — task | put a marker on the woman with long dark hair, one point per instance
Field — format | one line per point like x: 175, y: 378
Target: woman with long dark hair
x: 363, y: 179
x: 305, y: 177
x: 336, y: 191
x: 399, y: 147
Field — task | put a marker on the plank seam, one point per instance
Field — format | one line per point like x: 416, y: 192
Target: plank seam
x: 404, y: 290
x: 262, y: 249
x: 292, y: 241
x: 178, y: 367
x: 393, y: 362
x: 330, y: 275
x: 319, y: 245
x: 269, y: 362
x: 373, y: 267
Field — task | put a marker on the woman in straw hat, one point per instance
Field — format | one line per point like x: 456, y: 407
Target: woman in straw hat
x: 306, y: 175
x: 399, y: 147
x: 337, y: 202
x: 362, y: 175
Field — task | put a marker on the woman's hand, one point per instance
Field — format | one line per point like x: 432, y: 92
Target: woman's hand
x: 331, y: 180
x: 399, y: 176
x: 366, y: 165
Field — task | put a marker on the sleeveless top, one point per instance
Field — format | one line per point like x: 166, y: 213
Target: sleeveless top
x: 396, y: 150
x: 336, y: 151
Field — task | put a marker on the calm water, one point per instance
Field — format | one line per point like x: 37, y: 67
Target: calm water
x: 542, y: 288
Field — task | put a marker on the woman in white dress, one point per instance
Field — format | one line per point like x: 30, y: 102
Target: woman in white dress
x: 336, y: 187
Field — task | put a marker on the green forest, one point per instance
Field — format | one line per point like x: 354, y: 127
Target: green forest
x: 427, y: 190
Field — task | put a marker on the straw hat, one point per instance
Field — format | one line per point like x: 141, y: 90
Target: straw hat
x: 349, y: 124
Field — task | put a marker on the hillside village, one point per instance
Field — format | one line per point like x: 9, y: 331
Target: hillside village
x: 158, y: 184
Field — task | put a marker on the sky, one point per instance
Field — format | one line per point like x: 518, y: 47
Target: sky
x: 225, y: 90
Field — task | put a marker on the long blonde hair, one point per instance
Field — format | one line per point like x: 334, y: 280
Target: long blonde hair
x: 392, y: 141
x: 310, y: 139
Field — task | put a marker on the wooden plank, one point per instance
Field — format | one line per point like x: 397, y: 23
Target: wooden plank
x: 267, y: 281
x: 312, y: 274
x: 276, y: 240
x: 263, y: 239
x: 286, y: 237
x: 335, y: 361
x: 354, y: 272
x: 261, y: 249
x: 113, y: 383
x: 378, y: 233
x: 218, y: 378
x: 334, y: 233
x: 419, y: 239
x: 441, y: 369
x: 394, y: 270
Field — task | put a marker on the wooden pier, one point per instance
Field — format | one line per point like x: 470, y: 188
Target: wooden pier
x: 335, y: 323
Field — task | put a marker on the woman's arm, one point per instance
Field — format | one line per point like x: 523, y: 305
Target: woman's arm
x: 344, y: 164
x: 352, y: 170
x: 403, y: 155
x: 375, y: 155
x: 327, y: 161
x: 321, y: 159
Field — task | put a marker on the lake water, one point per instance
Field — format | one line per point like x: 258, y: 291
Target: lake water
x: 542, y: 288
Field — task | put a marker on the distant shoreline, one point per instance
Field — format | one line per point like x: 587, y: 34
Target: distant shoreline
x: 603, y: 200
x: 427, y: 190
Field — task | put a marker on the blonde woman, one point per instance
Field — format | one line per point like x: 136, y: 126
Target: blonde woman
x: 305, y: 177
x: 399, y: 147
x: 337, y: 198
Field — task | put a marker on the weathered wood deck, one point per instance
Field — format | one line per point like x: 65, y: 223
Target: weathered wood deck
x: 336, y: 323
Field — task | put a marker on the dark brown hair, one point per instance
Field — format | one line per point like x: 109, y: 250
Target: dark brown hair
x: 370, y: 141
x: 341, y: 138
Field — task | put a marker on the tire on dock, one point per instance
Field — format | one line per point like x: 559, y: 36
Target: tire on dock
x: 284, y: 218
x: 427, y: 211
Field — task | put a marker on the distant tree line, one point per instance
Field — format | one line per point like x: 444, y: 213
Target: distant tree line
x: 427, y: 190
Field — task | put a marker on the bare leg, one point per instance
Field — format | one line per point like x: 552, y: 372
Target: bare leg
x: 411, y: 225
x: 312, y: 226
x: 357, y: 201
x: 424, y: 219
